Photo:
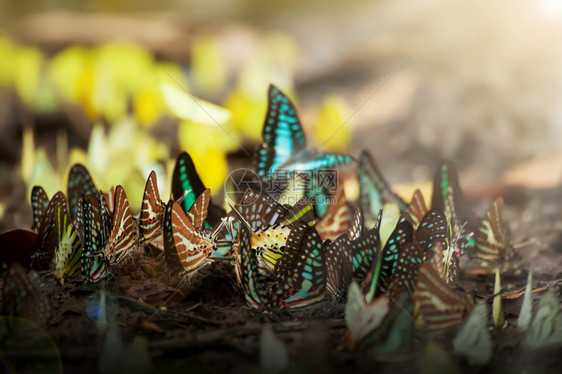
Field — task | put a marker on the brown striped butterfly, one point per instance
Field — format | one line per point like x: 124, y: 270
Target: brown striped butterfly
x: 186, y: 249
x: 440, y: 307
x: 121, y: 239
x: 417, y: 208
x: 491, y: 240
x: 336, y: 219
x: 152, y: 211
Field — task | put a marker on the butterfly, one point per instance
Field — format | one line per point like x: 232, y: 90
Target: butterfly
x: 39, y: 203
x: 48, y: 235
x: 364, y: 252
x: 255, y: 208
x: 339, y: 268
x: 187, y: 185
x: 491, y: 240
x: 386, y: 262
x: 417, y: 208
x: 300, y: 273
x: 361, y: 318
x: 152, y: 210
x: 545, y: 327
x: 79, y: 183
x: 186, y: 249
x: 337, y: 217
x: 305, y: 284
x: 259, y: 210
x: 95, y: 266
x: 374, y: 191
x: 433, y: 227
x: 395, y: 333
x: 473, y: 339
x: 68, y: 251
x: 284, y: 141
x: 246, y: 269
x: 410, y: 258
x: 440, y: 307
x: 448, y: 196
x: 21, y: 298
x: 121, y: 239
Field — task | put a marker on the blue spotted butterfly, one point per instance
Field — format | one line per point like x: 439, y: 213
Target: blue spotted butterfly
x: 284, y: 148
x: 284, y: 141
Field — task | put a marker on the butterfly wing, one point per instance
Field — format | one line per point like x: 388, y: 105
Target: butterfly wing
x: 187, y: 186
x: 395, y: 333
x: 384, y: 265
x: 440, y: 307
x: 152, y: 210
x: 21, y: 298
x: 48, y: 236
x: 339, y: 268
x: 122, y: 239
x: 356, y: 227
x: 374, y: 190
x: 39, y: 203
x: 199, y: 210
x: 246, y: 267
x: 433, y: 227
x: 259, y: 210
x: 269, y: 244
x: 94, y: 263
x: 306, y: 284
x: 417, y: 208
x: 190, y: 247
x: 68, y: 253
x: 491, y: 240
x: 364, y: 252
x: 79, y: 183
x: 473, y: 340
x: 445, y: 183
x: 410, y: 258
x: 336, y: 220
x: 282, y: 134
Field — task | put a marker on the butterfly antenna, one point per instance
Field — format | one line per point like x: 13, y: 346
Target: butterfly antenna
x: 525, y: 243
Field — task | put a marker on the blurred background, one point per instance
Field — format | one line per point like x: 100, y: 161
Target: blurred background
x: 124, y: 86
